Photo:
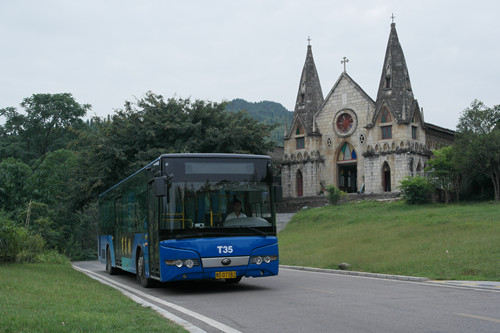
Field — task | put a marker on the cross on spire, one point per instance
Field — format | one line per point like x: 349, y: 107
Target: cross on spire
x: 344, y: 61
x: 393, y: 17
x: 308, y: 40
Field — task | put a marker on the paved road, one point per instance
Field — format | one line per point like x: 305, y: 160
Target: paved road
x: 301, y: 301
x: 282, y: 220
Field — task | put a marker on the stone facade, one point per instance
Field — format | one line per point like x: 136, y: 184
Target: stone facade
x: 353, y: 142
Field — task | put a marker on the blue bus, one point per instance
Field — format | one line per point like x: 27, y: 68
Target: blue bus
x: 192, y: 217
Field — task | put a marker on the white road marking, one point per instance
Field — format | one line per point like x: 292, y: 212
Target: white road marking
x: 493, y: 320
x: 432, y: 283
x: 218, y: 325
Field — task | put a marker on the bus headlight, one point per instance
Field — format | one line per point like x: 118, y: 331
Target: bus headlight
x: 258, y: 260
x: 189, y: 263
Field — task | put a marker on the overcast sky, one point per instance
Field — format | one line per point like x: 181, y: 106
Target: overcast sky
x: 107, y: 52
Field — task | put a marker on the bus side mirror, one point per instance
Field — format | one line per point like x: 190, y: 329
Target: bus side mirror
x: 278, y: 193
x: 159, y: 187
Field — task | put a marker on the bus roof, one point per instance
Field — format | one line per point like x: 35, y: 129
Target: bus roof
x: 215, y: 155
x: 186, y: 155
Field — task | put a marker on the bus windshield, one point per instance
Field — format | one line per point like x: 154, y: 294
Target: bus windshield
x: 206, y: 198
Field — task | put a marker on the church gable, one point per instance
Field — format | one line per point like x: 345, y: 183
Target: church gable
x: 297, y: 128
x: 296, y: 138
x: 344, y: 92
x: 416, y: 115
x: 345, y: 108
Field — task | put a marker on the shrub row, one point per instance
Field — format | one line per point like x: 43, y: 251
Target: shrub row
x: 17, y: 244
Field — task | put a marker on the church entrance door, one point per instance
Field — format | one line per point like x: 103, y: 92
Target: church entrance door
x: 300, y: 184
x: 348, y: 177
x: 386, y: 177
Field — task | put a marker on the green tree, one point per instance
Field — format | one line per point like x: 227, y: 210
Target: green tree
x: 53, y: 180
x: 445, y: 172
x: 45, y: 125
x: 112, y: 149
x: 15, y: 189
x: 478, y: 143
x: 54, y: 184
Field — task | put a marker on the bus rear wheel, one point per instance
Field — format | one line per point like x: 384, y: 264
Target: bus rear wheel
x: 141, y: 272
x: 109, y: 268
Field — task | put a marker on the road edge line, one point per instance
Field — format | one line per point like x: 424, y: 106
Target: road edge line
x: 122, y: 288
x: 356, y: 273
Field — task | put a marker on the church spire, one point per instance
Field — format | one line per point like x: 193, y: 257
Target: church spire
x: 395, y: 88
x: 310, y: 95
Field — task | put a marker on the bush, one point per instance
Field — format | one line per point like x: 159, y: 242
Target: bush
x: 416, y: 190
x: 10, y: 239
x: 17, y: 243
x: 32, y: 245
x: 51, y: 257
x: 334, y: 195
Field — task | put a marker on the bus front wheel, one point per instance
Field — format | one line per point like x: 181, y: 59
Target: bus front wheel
x: 141, y: 272
x: 234, y: 280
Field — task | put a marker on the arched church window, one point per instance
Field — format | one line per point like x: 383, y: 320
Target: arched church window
x: 347, y: 153
x: 386, y: 116
x: 299, y: 183
x: 300, y: 130
x: 419, y: 169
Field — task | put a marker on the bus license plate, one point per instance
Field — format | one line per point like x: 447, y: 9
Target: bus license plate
x: 225, y: 275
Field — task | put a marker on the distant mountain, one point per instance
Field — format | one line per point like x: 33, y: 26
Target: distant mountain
x: 266, y: 112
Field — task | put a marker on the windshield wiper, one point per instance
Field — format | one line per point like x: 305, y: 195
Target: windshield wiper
x: 219, y: 233
x: 204, y: 234
x: 263, y: 233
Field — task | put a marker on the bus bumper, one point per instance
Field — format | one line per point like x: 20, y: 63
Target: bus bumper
x: 177, y: 264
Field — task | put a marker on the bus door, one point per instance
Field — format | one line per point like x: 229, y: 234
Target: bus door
x: 154, y: 214
x: 117, y: 244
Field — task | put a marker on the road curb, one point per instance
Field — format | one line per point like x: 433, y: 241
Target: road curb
x: 355, y: 273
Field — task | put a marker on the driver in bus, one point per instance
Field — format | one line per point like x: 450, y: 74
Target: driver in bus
x: 236, y: 210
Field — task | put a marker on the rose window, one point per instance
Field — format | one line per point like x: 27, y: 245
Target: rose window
x: 344, y: 122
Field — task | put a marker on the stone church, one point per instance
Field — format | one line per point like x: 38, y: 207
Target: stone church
x: 352, y: 141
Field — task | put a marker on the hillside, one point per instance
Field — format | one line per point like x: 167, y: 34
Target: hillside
x: 267, y: 112
x: 456, y: 241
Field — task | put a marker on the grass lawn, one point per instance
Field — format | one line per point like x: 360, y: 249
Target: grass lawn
x: 456, y: 241
x: 56, y: 298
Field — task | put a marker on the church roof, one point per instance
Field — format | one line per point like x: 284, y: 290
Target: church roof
x: 309, y: 95
x: 395, y: 90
